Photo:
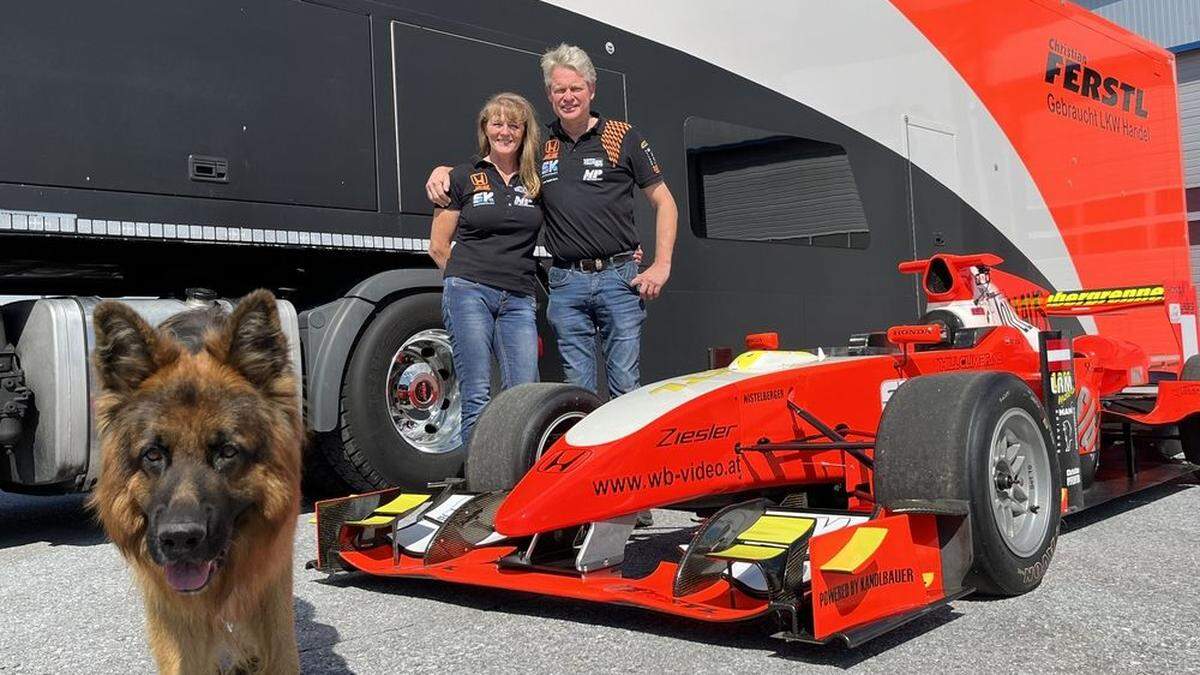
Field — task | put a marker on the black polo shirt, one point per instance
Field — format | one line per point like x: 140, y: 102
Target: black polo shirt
x: 587, y: 188
x: 497, y: 228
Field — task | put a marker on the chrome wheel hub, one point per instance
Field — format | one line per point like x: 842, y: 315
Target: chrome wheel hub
x: 422, y: 393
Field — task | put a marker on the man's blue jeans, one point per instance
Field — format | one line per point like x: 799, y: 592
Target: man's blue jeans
x: 584, y: 304
x: 483, y: 322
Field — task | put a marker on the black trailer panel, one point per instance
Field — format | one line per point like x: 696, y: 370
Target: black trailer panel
x: 122, y: 93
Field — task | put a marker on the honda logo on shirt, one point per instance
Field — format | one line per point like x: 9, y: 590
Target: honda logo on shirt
x: 593, y: 174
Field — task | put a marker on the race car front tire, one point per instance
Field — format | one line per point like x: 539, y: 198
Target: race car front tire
x: 982, y: 438
x: 517, y: 426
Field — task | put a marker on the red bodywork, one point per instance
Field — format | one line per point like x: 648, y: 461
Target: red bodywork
x: 764, y: 425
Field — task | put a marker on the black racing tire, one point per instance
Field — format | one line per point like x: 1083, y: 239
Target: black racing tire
x: 517, y: 425
x: 936, y: 441
x: 1189, y: 429
x: 371, y: 453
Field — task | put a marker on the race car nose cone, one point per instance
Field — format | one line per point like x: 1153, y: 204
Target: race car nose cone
x: 519, y: 516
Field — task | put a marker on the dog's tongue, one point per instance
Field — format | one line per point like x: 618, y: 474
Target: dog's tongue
x: 188, y: 576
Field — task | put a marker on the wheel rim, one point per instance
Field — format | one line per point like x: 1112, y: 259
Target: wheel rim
x: 1021, y: 482
x: 555, y: 430
x: 422, y: 393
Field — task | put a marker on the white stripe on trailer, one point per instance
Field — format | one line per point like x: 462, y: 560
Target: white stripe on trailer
x: 811, y: 60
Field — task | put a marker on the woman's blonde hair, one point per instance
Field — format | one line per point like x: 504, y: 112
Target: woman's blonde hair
x: 513, y: 107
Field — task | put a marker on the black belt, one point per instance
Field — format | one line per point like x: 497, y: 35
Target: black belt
x: 594, y: 264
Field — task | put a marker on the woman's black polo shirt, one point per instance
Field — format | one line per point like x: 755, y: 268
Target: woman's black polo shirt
x: 497, y: 228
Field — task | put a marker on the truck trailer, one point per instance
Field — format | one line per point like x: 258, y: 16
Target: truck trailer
x: 174, y: 154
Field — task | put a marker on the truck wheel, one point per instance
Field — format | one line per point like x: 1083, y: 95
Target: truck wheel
x: 980, y: 437
x: 1189, y: 429
x: 517, y: 426
x: 400, y: 408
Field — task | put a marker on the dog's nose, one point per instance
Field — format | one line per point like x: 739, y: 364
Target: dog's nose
x: 179, y: 539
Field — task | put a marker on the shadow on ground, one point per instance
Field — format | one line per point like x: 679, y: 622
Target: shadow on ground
x: 1129, y: 502
x: 61, y: 520
x: 316, y: 641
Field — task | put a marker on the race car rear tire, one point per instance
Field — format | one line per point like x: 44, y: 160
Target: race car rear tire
x: 517, y: 426
x: 1189, y: 429
x: 977, y: 437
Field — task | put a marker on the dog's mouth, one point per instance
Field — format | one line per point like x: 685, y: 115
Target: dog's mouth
x: 193, y: 577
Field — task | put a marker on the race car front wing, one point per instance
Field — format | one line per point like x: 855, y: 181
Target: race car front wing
x: 827, y: 575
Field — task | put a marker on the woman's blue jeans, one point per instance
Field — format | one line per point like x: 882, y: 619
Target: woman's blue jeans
x: 486, y: 322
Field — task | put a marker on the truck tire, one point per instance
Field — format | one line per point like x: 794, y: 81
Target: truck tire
x: 982, y: 438
x: 517, y: 426
x: 1189, y: 429
x: 321, y: 478
x: 400, y: 407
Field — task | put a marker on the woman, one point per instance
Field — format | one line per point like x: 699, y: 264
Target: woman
x: 488, y: 302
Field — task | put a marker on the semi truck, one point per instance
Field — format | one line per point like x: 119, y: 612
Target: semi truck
x: 179, y: 154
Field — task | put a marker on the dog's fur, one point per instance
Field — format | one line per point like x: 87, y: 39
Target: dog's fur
x: 201, y: 429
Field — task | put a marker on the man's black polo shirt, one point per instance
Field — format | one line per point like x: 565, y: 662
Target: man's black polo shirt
x: 497, y: 228
x: 587, y: 189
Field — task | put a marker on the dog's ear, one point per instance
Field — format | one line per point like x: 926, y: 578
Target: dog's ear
x: 254, y: 343
x: 127, y: 349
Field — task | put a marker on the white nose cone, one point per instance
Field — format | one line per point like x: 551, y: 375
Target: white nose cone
x: 630, y: 413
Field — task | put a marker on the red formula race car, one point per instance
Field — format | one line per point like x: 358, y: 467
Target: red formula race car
x: 845, y: 490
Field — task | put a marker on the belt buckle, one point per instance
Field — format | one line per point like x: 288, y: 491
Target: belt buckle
x: 599, y: 264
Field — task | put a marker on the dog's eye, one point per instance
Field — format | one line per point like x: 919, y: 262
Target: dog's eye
x: 154, y: 455
x: 228, y: 451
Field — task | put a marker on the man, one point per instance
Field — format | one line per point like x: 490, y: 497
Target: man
x: 589, y: 169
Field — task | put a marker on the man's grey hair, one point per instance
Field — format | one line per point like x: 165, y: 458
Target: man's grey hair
x: 568, y: 56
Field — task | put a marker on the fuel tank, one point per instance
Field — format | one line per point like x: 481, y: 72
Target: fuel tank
x: 59, y: 451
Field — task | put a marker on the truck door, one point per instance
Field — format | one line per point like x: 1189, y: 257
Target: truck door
x: 933, y: 183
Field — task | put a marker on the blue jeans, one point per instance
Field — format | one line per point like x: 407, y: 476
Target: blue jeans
x: 486, y: 322
x: 584, y: 304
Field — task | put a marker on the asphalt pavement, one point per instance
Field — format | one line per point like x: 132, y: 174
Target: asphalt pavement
x: 1120, y: 596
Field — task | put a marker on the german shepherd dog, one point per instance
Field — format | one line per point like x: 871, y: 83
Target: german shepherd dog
x: 200, y: 429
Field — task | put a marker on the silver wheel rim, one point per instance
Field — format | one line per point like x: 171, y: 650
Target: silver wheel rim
x: 422, y: 393
x: 1020, y: 481
x: 556, y: 430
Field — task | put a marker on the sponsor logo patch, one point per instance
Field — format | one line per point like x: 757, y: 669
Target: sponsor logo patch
x: 550, y: 170
x: 483, y: 199
x: 479, y: 182
x: 593, y: 175
x: 550, y: 150
x: 673, y: 436
x: 1133, y: 295
x: 763, y: 396
x: 593, y: 161
x: 650, y: 157
x: 563, y: 461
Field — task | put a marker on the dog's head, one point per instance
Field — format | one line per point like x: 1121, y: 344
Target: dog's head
x: 199, y: 424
